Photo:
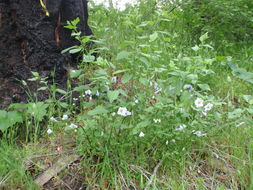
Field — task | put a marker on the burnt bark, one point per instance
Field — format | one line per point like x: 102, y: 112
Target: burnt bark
x: 32, y: 41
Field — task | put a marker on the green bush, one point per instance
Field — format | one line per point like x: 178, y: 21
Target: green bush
x: 225, y: 20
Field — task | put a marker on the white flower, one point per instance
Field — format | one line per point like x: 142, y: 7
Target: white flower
x: 97, y: 93
x: 173, y: 140
x: 199, y: 102
x: 88, y: 92
x: 49, y: 131
x: 53, y: 119
x: 141, y: 134
x: 199, y: 134
x: 114, y: 79
x: 167, y: 142
x: 123, y: 111
x: 208, y: 107
x: 157, y: 120
x: 65, y: 117
x: 188, y: 87
x: 113, y: 114
x: 181, y: 127
x: 75, y: 99
x: 73, y: 126
x: 136, y: 101
x: 102, y: 133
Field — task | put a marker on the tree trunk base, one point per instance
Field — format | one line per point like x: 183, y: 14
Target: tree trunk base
x: 27, y: 43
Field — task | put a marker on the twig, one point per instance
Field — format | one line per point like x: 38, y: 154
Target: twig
x: 55, y: 169
x: 153, y: 175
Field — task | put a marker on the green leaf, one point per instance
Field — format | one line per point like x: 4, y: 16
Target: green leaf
x: 88, y: 58
x: 250, y: 110
x: 204, y: 87
x: 153, y: 37
x: 18, y: 106
x: 75, y: 50
x: 75, y: 73
x: 203, y: 37
x: 248, y: 98
x: 15, y: 117
x: 112, y: 95
x: 64, y: 105
x: 4, y: 122
x: 195, y: 48
x: 76, y: 21
x: 126, y: 78
x: 67, y: 50
x: 140, y: 125
x: 241, y: 73
x: 61, y: 91
x: 122, y: 92
x: 35, y: 74
x: 143, y: 60
x: 8, y: 119
x: 42, y: 88
x: 119, y: 71
x: 123, y: 55
x: 75, y: 34
x: 80, y: 88
x: 235, y: 114
x: 98, y: 111
x: 37, y: 110
x: 144, y: 81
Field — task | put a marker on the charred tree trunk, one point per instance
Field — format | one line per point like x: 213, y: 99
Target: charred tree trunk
x: 32, y: 41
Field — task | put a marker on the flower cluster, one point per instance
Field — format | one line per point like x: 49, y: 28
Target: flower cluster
x: 181, y: 127
x: 188, y: 87
x: 49, y: 131
x: 88, y: 92
x: 199, y: 133
x: 199, y: 103
x: 73, y: 126
x: 64, y: 118
x: 123, y: 111
x: 157, y: 120
x: 53, y: 119
x: 141, y: 134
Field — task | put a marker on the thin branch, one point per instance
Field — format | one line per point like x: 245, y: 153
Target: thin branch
x: 153, y: 175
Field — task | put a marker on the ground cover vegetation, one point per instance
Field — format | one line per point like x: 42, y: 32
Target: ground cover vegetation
x: 166, y: 104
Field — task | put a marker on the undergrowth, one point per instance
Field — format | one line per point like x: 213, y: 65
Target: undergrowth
x: 158, y: 108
